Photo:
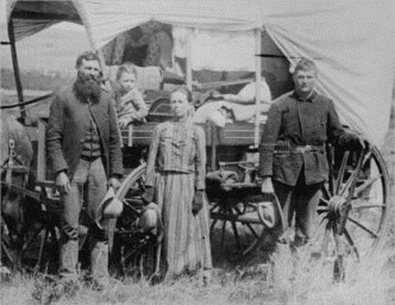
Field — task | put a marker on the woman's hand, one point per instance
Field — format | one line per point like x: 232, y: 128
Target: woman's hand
x: 197, y: 202
x: 148, y: 195
x: 63, y: 183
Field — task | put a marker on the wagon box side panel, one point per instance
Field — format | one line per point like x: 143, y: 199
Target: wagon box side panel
x: 233, y: 134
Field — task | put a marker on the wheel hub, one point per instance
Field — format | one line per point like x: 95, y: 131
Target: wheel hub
x: 336, y: 206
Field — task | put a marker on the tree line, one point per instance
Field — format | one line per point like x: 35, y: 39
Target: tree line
x: 34, y: 79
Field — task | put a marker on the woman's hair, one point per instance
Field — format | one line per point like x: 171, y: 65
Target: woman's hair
x: 184, y: 90
x: 125, y: 68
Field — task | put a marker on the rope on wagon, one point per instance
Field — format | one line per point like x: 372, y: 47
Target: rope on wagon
x: 36, y: 100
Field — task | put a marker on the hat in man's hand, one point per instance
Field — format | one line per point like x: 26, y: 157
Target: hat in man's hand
x: 150, y: 218
x: 270, y: 213
x: 110, y: 207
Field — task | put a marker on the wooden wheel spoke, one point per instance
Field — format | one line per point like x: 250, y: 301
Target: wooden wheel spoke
x: 236, y: 233
x: 322, y: 219
x: 312, y: 249
x: 368, y: 206
x: 324, y: 201
x: 321, y: 209
x: 348, y: 183
x: 215, y: 206
x: 342, y: 170
x: 351, y: 242
x: 351, y: 184
x: 326, y: 194
x: 252, y: 246
x: 322, y: 222
x: 252, y: 230
x: 366, y: 184
x: 130, y: 202
x: 238, y: 211
x: 31, y: 239
x: 6, y: 250
x: 325, y: 242
x: 214, y: 222
x: 42, y: 248
x: 363, y: 227
x: 223, y: 233
x: 338, y: 246
x: 351, y: 181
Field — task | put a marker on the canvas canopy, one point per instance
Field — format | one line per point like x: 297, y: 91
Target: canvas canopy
x: 352, y: 42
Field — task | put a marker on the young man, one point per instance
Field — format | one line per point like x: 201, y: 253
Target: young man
x: 85, y: 150
x: 303, y: 121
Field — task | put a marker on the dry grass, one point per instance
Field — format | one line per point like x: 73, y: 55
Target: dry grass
x: 287, y: 280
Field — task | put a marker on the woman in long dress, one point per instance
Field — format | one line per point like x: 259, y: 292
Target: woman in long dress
x: 175, y: 181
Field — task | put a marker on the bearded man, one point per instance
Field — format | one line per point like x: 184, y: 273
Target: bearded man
x: 84, y: 148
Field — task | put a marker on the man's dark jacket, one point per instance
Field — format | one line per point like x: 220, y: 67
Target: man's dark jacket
x: 298, y: 122
x: 67, y: 125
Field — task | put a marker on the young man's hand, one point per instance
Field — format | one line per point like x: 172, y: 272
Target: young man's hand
x: 267, y: 186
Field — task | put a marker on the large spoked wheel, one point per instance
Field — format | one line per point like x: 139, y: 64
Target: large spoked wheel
x: 28, y: 233
x: 35, y: 248
x: 132, y: 248
x: 235, y: 227
x: 354, y: 210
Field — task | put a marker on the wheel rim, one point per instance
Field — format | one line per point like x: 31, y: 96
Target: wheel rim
x: 235, y: 224
x: 354, y: 210
x: 131, y: 244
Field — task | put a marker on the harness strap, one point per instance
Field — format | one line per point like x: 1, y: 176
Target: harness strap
x: 10, y: 163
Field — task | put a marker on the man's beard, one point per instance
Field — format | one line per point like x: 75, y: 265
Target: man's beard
x: 88, y: 89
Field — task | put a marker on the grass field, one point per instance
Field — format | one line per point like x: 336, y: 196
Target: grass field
x: 284, y: 281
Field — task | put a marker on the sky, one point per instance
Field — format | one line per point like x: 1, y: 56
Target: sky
x: 54, y: 49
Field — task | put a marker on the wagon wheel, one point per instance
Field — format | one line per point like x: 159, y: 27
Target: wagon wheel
x: 353, y: 213
x: 35, y: 248
x: 40, y: 251
x: 235, y: 225
x: 132, y: 250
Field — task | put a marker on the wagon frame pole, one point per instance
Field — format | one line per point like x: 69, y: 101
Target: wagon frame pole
x: 18, y: 83
x: 258, y: 91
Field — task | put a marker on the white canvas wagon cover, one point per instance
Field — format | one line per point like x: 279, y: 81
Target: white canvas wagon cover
x: 353, y: 41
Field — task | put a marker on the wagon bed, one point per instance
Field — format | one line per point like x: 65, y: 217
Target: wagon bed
x: 233, y: 134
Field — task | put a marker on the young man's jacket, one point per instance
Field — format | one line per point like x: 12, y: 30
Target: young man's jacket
x: 292, y: 125
x: 67, y: 125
